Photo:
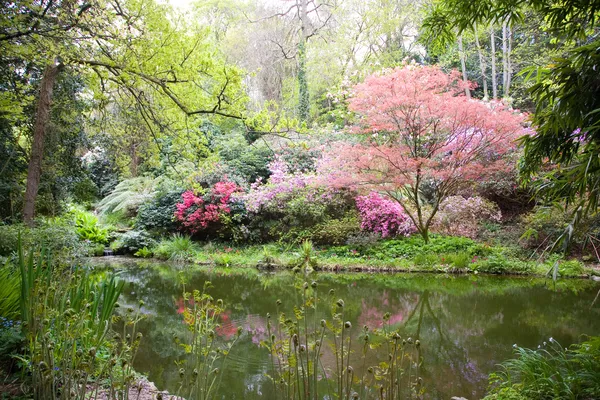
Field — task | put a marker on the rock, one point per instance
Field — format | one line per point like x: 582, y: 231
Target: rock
x: 457, y: 398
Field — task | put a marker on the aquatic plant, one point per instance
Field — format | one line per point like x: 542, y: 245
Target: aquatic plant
x: 297, y: 342
x: 67, y: 323
x: 201, y: 371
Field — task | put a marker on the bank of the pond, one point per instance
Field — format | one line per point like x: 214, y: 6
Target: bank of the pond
x: 441, y: 255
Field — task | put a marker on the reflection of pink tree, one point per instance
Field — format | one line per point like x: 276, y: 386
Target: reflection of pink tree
x: 373, y: 316
x: 226, y: 328
x: 256, y: 327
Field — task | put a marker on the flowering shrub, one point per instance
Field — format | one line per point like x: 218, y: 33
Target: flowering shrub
x: 292, y: 206
x: 463, y: 217
x: 280, y: 183
x: 383, y: 216
x: 197, y: 213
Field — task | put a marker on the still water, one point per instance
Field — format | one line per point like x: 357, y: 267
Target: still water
x: 466, y: 324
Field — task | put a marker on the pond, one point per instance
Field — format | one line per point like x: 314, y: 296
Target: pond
x: 466, y: 324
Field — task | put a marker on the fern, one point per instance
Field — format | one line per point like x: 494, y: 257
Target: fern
x: 128, y: 195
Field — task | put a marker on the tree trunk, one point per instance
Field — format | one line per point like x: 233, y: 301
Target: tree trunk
x: 508, y: 63
x: 493, y: 51
x: 303, y: 98
x: 505, y: 60
x: 463, y: 65
x: 42, y: 117
x: 482, y: 65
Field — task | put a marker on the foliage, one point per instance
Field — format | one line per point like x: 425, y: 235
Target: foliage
x: 414, y: 245
x: 144, y: 252
x: 290, y: 207
x: 550, y: 371
x: 132, y: 241
x: 335, y: 231
x: 422, y: 140
x: 545, y: 224
x: 67, y: 319
x: 88, y: 227
x: 11, y: 338
x: 128, y: 195
x: 383, y: 216
x: 57, y: 235
x: 158, y: 213
x: 9, y: 292
x: 461, y: 216
x: 177, y: 248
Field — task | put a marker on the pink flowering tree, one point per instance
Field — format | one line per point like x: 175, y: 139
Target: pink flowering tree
x: 420, y: 137
x: 196, y: 213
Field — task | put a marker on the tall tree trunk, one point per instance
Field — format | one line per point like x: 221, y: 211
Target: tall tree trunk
x: 42, y: 117
x: 508, y: 62
x: 303, y: 98
x: 493, y: 51
x: 482, y: 65
x: 505, y: 59
x: 463, y: 64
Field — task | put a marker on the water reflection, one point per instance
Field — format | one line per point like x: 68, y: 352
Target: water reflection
x: 466, y: 325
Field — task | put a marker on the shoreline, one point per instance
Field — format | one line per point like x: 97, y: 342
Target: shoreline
x: 350, y: 268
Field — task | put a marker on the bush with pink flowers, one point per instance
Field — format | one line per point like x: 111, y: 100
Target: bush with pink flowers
x: 462, y: 216
x: 196, y: 213
x: 383, y: 216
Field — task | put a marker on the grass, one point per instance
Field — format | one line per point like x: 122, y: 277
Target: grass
x: 178, y: 248
x: 443, y: 254
x: 550, y: 372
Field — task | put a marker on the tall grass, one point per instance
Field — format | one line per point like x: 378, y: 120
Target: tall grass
x: 9, y: 292
x: 71, y: 349
x: 550, y: 372
x: 178, y: 248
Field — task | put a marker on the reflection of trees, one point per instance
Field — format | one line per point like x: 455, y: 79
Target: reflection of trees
x: 466, y: 325
x: 445, y: 358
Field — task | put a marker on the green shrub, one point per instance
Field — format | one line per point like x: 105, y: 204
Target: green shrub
x: 571, y: 268
x: 550, y: 372
x: 144, y: 252
x: 88, y: 227
x: 158, y: 213
x: 426, y: 259
x: 57, y: 235
x: 222, y: 260
x: 502, y: 263
x: 131, y: 241
x: 336, y: 231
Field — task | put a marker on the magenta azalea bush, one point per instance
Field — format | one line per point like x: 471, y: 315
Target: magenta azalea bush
x: 197, y: 213
x: 383, y: 216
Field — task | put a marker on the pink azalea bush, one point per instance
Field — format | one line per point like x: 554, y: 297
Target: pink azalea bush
x: 277, y: 189
x: 196, y: 213
x: 463, y: 216
x: 383, y: 216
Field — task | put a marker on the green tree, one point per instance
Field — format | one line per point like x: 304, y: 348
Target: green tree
x: 139, y: 51
x: 565, y: 93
